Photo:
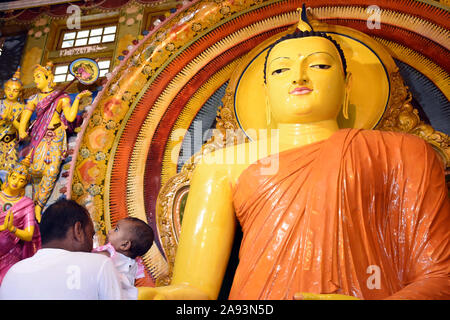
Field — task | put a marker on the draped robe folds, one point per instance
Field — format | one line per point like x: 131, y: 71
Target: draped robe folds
x: 12, y: 249
x: 45, y: 109
x: 364, y: 213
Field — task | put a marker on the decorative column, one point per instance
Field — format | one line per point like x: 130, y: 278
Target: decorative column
x: 129, y: 27
x: 34, y: 48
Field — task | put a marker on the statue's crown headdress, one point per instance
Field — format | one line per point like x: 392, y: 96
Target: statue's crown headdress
x: 47, y: 70
x: 21, y: 169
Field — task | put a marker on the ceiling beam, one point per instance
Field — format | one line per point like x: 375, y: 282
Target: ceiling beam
x: 25, y: 4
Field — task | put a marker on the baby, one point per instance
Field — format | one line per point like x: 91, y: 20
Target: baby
x: 130, y: 239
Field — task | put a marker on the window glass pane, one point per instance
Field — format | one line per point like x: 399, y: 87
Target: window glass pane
x: 81, y: 42
x: 82, y: 34
x: 69, y: 36
x: 69, y: 77
x: 110, y: 30
x: 104, y: 64
x: 67, y: 44
x: 103, y: 72
x: 108, y: 38
x: 94, y: 40
x: 61, y: 69
x: 96, y: 32
x: 60, y: 78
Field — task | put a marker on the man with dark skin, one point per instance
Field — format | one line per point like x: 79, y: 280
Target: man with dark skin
x: 64, y: 268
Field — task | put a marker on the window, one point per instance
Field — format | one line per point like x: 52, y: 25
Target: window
x: 104, y: 67
x: 62, y: 73
x: 88, y: 37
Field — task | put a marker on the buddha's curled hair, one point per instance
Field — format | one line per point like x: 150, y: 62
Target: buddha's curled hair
x: 297, y: 34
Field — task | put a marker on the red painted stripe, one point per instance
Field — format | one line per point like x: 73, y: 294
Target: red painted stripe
x: 426, y: 47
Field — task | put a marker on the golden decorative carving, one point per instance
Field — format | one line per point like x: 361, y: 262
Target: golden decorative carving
x: 402, y: 117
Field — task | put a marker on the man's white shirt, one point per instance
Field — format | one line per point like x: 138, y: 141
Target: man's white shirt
x: 57, y: 274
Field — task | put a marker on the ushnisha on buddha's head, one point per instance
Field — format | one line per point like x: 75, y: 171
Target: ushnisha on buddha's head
x: 305, y: 77
x: 13, y: 87
x: 43, y: 76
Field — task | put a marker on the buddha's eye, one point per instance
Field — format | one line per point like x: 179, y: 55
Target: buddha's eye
x: 321, y: 66
x: 278, y: 71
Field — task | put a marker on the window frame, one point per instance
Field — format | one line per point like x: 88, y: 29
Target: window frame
x: 60, y: 39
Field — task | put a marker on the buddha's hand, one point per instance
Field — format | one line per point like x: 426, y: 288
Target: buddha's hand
x: 171, y: 292
x: 319, y: 296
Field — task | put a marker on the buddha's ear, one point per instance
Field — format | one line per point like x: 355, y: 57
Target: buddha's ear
x: 348, y: 84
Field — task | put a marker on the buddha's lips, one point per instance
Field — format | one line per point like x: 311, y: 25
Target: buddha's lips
x: 300, y: 91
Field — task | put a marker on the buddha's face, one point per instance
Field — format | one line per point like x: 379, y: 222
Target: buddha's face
x: 12, y: 90
x: 40, y: 80
x: 305, y: 81
x: 17, y: 181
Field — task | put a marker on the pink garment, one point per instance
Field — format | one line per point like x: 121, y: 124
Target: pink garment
x: 45, y: 110
x: 12, y: 249
x: 140, y: 273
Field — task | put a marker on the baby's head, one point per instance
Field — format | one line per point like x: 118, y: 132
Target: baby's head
x: 131, y: 237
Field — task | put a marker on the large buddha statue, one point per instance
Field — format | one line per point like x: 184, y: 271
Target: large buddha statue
x: 346, y: 213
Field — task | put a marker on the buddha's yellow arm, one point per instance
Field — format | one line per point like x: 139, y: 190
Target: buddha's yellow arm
x: 207, y: 235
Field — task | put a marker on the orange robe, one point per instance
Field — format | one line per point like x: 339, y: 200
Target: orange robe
x: 363, y: 213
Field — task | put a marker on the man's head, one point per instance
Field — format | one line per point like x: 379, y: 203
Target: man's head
x: 131, y: 236
x: 67, y: 225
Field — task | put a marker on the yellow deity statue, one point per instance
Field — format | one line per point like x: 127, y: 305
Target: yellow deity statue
x: 19, y: 233
x: 344, y: 214
x: 10, y: 109
x: 48, y: 145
